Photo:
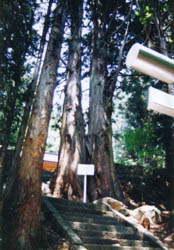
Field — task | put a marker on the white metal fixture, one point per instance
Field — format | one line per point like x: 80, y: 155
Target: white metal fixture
x: 151, y: 63
x: 160, y: 101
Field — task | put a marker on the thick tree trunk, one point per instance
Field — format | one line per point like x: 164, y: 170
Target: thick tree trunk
x: 22, y: 208
x: 28, y: 107
x: 105, y: 182
x: 72, y: 146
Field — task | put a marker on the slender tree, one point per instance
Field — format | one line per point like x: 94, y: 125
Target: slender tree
x: 23, y: 205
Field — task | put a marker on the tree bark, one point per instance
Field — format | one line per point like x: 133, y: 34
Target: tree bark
x: 105, y: 182
x: 10, y: 109
x: 29, y: 101
x: 72, y: 145
x: 170, y: 148
x: 22, y: 208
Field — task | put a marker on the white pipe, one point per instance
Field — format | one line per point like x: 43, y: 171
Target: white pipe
x: 85, y: 189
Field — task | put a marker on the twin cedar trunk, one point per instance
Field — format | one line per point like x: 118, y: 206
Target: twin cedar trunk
x: 22, y: 206
x: 104, y: 182
x: 72, y: 145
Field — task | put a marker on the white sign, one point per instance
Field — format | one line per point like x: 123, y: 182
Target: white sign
x: 151, y: 63
x: 85, y: 169
x: 160, y: 101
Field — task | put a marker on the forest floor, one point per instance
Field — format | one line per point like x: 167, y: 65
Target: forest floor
x: 164, y: 231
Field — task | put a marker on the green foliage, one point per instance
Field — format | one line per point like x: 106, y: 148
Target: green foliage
x: 141, y: 145
x: 146, y: 14
x: 18, y: 41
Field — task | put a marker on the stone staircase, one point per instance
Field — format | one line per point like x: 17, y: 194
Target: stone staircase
x: 87, y: 226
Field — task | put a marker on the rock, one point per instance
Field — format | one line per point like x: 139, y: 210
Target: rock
x: 115, y: 204
x: 46, y: 188
x: 146, y: 215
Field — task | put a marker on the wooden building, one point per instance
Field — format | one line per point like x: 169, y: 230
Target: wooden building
x: 50, y: 162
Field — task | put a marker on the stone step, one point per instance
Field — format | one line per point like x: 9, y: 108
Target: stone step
x: 116, y: 247
x: 70, y: 203
x: 87, y: 213
x: 99, y: 241
x: 140, y: 243
x: 78, y: 210
x: 101, y: 247
x: 101, y: 227
x: 91, y: 218
x: 109, y: 234
x: 77, y: 207
x: 110, y: 241
x: 107, y: 240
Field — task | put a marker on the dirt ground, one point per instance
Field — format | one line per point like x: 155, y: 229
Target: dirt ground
x: 163, y: 231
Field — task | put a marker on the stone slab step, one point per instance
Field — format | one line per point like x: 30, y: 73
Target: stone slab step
x: 78, y: 204
x: 116, y: 247
x: 80, y: 208
x: 109, y: 234
x: 71, y: 203
x: 99, y: 241
x: 91, y: 219
x: 140, y: 243
x: 101, y: 247
x: 111, y: 241
x: 79, y: 211
x: 101, y: 227
x: 86, y: 211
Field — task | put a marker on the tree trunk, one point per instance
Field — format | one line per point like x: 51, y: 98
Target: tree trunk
x: 105, y: 182
x: 23, y: 205
x: 28, y: 107
x: 170, y: 148
x: 10, y: 109
x: 72, y: 145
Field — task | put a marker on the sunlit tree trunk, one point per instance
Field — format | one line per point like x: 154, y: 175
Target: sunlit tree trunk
x: 72, y: 145
x: 105, y: 182
x: 22, y: 208
x: 29, y: 101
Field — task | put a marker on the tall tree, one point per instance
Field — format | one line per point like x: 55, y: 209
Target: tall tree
x: 16, y: 45
x: 23, y: 205
x: 105, y: 181
x: 30, y: 92
x: 72, y: 133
